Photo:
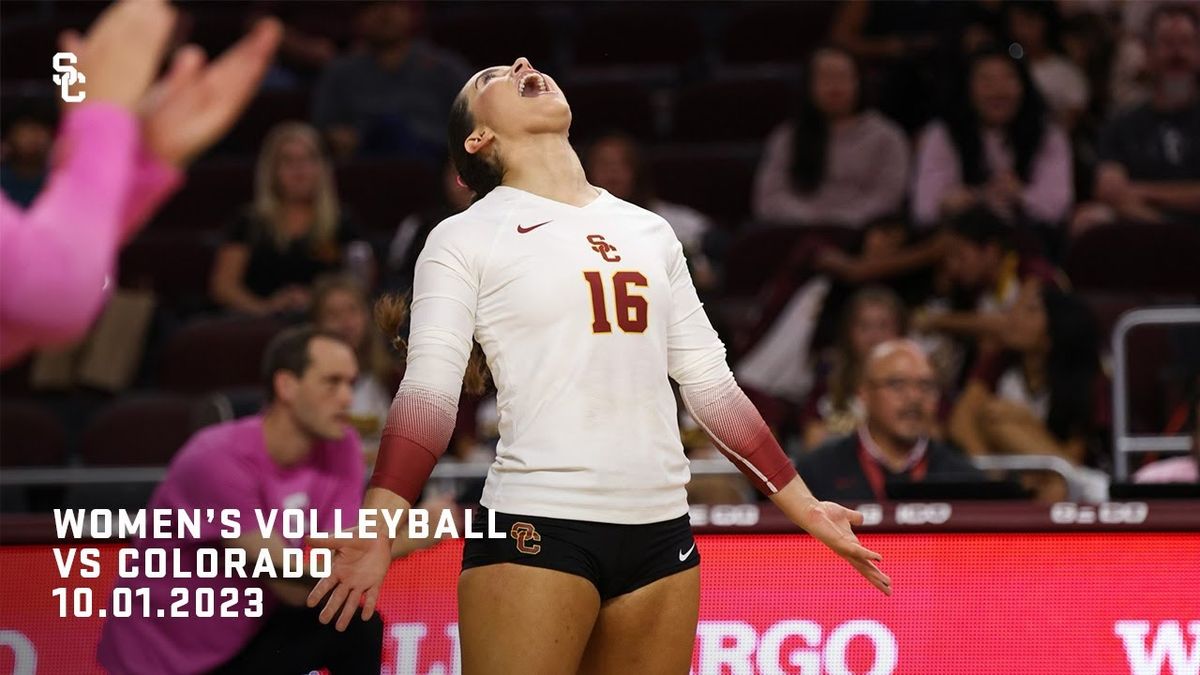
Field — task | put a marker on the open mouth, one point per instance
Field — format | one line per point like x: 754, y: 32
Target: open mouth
x: 532, y: 84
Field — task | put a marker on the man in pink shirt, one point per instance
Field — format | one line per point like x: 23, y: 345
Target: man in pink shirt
x: 298, y: 453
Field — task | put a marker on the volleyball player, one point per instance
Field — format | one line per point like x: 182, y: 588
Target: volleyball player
x: 583, y: 306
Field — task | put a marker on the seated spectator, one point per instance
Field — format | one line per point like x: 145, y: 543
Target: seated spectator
x: 1149, y: 158
x: 27, y: 138
x: 873, y: 316
x: 298, y: 453
x: 340, y: 307
x: 997, y: 149
x: 899, y: 397
x: 1040, y: 395
x: 293, y: 232
x: 392, y: 96
x: 614, y: 162
x: 1035, y: 27
x: 988, y: 274
x: 412, y: 231
x: 836, y: 162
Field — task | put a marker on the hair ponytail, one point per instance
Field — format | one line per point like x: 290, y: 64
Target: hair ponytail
x: 391, y: 313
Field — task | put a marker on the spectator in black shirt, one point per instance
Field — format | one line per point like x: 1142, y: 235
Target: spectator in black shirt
x: 899, y: 395
x: 1150, y: 155
x: 294, y: 231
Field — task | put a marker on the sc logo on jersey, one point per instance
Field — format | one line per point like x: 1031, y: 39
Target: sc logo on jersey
x: 64, y: 63
x: 603, y: 247
x: 524, y: 533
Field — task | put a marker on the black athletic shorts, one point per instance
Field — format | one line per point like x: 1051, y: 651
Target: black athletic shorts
x: 617, y: 559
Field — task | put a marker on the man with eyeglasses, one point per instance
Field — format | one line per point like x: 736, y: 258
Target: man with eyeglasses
x: 899, y: 395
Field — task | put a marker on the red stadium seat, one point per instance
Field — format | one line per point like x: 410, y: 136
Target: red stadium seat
x: 210, y: 354
x: 494, y: 34
x: 603, y: 106
x: 716, y: 181
x: 1130, y: 258
x: 775, y: 32
x: 730, y: 110
x: 264, y: 112
x: 175, y: 264
x: 382, y: 192
x: 620, y: 35
x: 30, y: 435
x: 212, y: 196
x: 139, y: 431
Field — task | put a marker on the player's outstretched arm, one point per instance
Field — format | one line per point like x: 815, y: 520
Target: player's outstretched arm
x: 696, y: 360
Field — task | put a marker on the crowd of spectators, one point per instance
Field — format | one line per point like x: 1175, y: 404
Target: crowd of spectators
x: 924, y: 190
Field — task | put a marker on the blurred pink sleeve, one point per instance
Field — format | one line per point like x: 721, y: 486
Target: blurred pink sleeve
x: 55, y: 257
x: 936, y: 174
x: 1051, y: 189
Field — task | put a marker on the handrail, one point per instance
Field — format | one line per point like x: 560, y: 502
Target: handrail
x: 1124, y: 443
x: 1051, y: 463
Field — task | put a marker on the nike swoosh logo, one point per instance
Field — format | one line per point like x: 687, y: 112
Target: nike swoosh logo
x: 531, y: 228
x: 684, y: 556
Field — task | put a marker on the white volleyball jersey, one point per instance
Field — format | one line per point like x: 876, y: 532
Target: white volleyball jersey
x: 583, y: 313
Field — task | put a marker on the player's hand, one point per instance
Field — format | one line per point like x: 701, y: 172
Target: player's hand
x: 359, y: 566
x: 831, y: 523
x: 122, y: 50
x: 196, y: 103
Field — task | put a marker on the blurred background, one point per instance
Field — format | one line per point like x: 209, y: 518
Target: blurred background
x: 1001, y: 181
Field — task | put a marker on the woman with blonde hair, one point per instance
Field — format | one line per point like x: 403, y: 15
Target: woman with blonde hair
x: 293, y: 232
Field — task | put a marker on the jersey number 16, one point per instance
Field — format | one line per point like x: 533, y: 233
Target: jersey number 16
x: 631, y: 309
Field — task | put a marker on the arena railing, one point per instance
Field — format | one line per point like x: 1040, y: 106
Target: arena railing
x: 1124, y: 442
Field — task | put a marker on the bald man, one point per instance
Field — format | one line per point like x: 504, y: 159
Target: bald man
x: 899, y: 396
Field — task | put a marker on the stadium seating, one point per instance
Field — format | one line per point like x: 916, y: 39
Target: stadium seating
x: 774, y: 32
x: 175, y: 264
x: 743, y: 109
x: 138, y: 431
x: 30, y: 435
x: 1137, y: 258
x: 716, y: 179
x: 210, y: 354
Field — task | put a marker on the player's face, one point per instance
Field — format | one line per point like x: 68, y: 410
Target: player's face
x: 517, y: 100
x: 874, y: 324
x: 1025, y: 324
x: 297, y: 170
x: 321, y: 398
x: 342, y: 312
x: 610, y: 166
x: 900, y: 395
x: 834, y: 84
x: 995, y: 91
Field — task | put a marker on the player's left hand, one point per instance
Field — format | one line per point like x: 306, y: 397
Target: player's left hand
x: 831, y: 523
x: 359, y: 566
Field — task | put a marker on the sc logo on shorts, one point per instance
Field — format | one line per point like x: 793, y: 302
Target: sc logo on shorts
x: 524, y: 533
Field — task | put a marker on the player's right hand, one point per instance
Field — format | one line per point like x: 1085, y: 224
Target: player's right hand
x: 359, y: 566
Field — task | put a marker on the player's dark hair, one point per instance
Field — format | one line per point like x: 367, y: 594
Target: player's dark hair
x: 288, y: 351
x: 810, y: 128
x: 391, y: 315
x: 1073, y: 363
x: 982, y: 226
x: 480, y: 175
x: 1024, y: 133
